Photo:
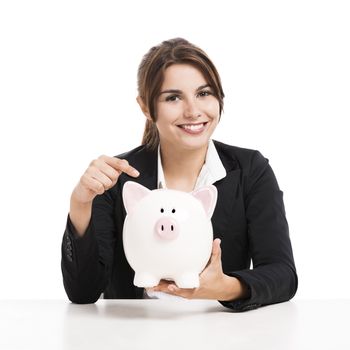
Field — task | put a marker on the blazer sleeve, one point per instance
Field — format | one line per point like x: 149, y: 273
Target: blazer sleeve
x: 273, y: 278
x: 86, y: 261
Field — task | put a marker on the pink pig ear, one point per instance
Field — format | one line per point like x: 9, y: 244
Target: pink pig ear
x: 132, y: 194
x: 207, y: 195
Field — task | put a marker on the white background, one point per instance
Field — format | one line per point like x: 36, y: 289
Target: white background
x: 67, y: 95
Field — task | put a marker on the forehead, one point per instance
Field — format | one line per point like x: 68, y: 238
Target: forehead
x: 183, y: 75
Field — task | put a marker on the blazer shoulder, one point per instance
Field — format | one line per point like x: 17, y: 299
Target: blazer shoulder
x: 132, y: 153
x: 144, y: 160
x: 239, y: 157
x: 252, y: 164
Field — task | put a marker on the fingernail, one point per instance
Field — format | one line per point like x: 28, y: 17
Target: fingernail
x: 135, y: 172
x: 171, y: 288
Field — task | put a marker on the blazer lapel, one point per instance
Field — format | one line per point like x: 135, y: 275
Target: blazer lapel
x: 228, y: 192
x: 146, y: 162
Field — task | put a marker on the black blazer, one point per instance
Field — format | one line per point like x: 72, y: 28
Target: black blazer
x: 249, y: 218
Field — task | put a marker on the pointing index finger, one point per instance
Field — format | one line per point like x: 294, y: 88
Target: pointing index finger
x: 122, y: 165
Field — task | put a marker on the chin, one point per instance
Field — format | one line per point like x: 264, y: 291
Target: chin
x: 194, y: 144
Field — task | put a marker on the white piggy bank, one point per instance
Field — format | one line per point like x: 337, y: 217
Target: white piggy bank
x: 168, y: 234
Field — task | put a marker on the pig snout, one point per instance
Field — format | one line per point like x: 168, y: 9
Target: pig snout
x: 166, y: 228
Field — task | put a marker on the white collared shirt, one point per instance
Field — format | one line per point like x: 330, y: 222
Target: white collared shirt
x: 212, y: 171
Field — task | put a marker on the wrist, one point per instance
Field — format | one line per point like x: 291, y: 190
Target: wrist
x: 79, y: 205
x: 80, y: 214
x: 233, y: 289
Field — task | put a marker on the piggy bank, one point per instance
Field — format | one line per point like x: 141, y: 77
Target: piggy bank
x: 168, y: 234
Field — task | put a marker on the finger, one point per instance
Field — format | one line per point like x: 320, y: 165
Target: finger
x: 216, y: 250
x: 98, y: 175
x: 122, y: 165
x: 92, y: 184
x: 170, y: 287
x: 162, y: 286
x: 188, y: 293
x: 110, y: 172
x: 217, y: 247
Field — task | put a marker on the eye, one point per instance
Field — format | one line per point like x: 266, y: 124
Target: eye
x: 173, y: 211
x: 162, y: 210
x: 204, y: 93
x: 172, y: 98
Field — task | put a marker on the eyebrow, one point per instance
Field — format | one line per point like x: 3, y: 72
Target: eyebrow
x: 176, y: 91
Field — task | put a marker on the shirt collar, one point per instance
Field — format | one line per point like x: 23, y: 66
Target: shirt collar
x: 212, y: 169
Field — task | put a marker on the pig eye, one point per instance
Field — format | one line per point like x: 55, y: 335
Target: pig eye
x: 162, y: 210
x: 173, y: 211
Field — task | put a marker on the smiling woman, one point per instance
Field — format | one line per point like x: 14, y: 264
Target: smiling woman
x: 180, y: 93
x: 197, y: 76
x: 187, y: 112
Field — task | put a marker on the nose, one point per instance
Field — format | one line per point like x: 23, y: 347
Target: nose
x: 166, y: 228
x: 191, y: 110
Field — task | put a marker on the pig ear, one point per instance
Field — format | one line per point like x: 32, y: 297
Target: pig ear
x: 132, y: 194
x: 207, y: 195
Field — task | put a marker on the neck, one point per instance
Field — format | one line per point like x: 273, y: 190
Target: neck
x: 182, y: 164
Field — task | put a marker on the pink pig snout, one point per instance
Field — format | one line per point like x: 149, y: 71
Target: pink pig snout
x: 166, y: 228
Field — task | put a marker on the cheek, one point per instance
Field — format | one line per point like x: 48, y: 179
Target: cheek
x: 213, y: 108
x: 166, y: 113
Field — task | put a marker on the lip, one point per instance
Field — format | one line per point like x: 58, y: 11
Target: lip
x: 194, y: 132
x: 193, y: 123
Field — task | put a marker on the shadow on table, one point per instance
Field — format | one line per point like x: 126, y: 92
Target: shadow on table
x: 139, y: 324
x: 159, y: 310
x: 155, y: 309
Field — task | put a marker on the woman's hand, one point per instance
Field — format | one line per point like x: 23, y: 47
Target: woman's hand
x: 100, y: 176
x: 214, y: 284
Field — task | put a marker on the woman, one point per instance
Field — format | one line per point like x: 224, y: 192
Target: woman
x: 180, y: 94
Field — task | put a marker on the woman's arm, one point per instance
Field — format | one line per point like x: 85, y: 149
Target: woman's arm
x: 89, y: 238
x: 87, y: 259
x: 80, y: 215
x: 273, y: 278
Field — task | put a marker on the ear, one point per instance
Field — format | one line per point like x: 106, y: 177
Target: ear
x: 207, y: 195
x: 132, y: 194
x: 143, y: 107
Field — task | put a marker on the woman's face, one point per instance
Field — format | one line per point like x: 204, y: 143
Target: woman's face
x: 187, y: 111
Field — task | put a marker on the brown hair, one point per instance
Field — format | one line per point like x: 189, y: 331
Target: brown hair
x: 150, y: 77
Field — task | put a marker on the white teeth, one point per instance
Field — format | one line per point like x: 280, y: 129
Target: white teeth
x: 192, y: 127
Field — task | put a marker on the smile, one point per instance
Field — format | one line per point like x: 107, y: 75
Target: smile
x: 193, y: 128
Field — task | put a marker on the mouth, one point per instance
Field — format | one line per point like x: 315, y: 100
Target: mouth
x: 193, y: 129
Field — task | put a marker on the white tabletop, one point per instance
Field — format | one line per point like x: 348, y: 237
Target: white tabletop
x: 172, y: 324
